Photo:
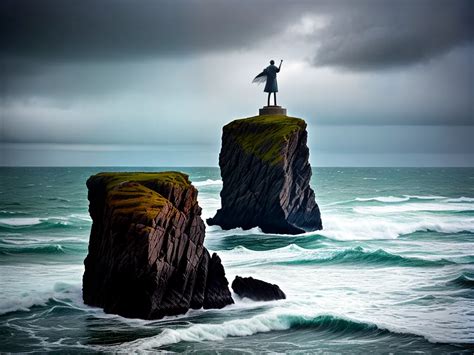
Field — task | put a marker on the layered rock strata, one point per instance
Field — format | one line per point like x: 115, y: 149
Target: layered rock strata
x: 266, y: 176
x: 146, y: 256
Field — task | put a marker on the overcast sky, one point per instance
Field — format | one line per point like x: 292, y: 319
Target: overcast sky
x: 116, y: 82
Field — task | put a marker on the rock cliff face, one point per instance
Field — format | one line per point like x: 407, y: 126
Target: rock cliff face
x: 146, y: 255
x: 266, y: 174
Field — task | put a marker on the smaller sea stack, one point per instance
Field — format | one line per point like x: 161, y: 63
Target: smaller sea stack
x: 256, y: 290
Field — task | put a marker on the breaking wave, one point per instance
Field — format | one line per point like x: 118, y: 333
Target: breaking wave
x: 377, y: 227
x: 465, y: 280
x: 387, y: 199
x: 415, y: 207
x: 258, y: 324
x: 378, y: 257
x: 295, y: 255
x: 35, y: 223
x: 24, y: 302
x: 207, y: 182
x: 45, y: 249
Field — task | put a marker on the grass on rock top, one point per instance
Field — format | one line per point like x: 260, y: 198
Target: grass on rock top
x: 265, y: 136
x: 112, y: 179
x: 135, y: 199
x: 139, y: 198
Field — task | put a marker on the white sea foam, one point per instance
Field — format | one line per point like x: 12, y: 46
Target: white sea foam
x: 246, y: 260
x: 460, y: 199
x: 216, y: 231
x: 210, y: 332
x: 81, y: 216
x: 399, y: 199
x: 31, y: 241
x: 12, y: 212
x: 415, y: 207
x: 31, y: 221
x: 20, y: 221
x: 387, y: 199
x: 247, y: 257
x: 425, y: 197
x: 342, y: 227
x: 23, y: 302
x: 290, y: 249
x: 276, y: 320
x: 404, y: 198
x: 207, y: 182
x: 376, y: 224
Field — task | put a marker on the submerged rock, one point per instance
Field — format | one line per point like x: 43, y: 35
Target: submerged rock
x: 256, y: 290
x: 146, y: 255
x: 266, y: 175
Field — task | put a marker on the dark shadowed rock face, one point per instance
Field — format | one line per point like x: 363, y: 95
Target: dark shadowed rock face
x: 266, y: 175
x: 256, y: 290
x: 146, y: 255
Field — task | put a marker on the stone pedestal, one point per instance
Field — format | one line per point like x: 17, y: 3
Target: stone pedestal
x: 272, y: 110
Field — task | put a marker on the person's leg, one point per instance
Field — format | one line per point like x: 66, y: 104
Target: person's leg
x: 268, y: 100
x: 275, y: 98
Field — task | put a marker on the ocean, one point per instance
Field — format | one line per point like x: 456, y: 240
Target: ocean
x: 392, y: 271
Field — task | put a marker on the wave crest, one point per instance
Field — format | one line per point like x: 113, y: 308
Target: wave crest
x: 258, y: 324
x: 386, y: 199
x: 71, y: 221
x: 24, y: 302
x: 379, y: 257
x: 380, y: 227
x: 207, y: 182
x: 465, y: 280
x: 295, y: 255
x: 8, y: 248
x: 415, y: 207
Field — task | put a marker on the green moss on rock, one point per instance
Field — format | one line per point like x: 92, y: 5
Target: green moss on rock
x: 132, y: 199
x: 265, y: 136
x: 112, y: 179
x: 134, y: 195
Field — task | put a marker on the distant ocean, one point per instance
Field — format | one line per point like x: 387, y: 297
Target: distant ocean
x: 392, y: 271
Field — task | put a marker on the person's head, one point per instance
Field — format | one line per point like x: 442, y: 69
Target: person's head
x: 272, y: 62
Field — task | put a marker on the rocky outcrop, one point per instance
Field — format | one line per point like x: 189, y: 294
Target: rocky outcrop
x: 266, y: 175
x: 256, y: 290
x: 146, y: 256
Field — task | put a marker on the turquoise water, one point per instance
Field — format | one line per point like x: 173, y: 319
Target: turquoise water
x: 392, y: 271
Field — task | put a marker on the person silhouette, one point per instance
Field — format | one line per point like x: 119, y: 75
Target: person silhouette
x: 269, y: 75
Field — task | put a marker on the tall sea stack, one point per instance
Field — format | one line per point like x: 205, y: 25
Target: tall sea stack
x: 266, y: 175
x: 146, y: 255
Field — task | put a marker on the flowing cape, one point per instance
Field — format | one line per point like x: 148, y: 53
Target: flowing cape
x: 260, y: 78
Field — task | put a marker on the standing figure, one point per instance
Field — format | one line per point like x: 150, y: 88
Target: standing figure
x: 269, y: 75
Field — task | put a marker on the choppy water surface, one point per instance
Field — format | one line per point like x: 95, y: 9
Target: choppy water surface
x: 392, y: 271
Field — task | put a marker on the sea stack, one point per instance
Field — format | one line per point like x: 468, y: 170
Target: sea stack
x: 146, y: 255
x: 256, y: 289
x: 266, y: 176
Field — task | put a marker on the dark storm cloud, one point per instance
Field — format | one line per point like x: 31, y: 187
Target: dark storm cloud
x: 384, y: 34
x: 41, y: 37
x: 358, y: 35
x: 132, y: 72
x: 90, y: 29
